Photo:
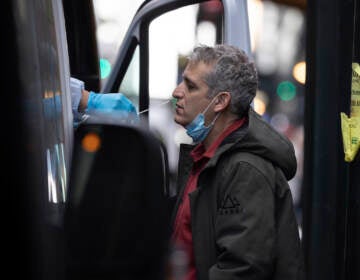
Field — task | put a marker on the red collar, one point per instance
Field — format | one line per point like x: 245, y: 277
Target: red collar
x: 199, y: 151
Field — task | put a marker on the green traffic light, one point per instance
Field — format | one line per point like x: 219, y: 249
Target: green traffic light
x: 105, y: 68
x: 286, y: 90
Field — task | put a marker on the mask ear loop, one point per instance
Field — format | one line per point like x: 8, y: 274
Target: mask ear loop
x: 216, y: 117
x: 208, y: 106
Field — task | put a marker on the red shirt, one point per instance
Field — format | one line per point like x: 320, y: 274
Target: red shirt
x: 182, y: 235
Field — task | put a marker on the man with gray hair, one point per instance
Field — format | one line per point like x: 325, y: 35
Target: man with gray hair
x: 234, y: 215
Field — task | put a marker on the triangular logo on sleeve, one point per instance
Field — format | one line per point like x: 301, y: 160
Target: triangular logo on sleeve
x: 230, y: 205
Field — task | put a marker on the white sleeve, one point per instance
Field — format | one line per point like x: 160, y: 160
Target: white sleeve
x: 76, y: 88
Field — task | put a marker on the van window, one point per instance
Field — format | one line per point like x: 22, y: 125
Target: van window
x: 130, y: 83
x: 113, y: 18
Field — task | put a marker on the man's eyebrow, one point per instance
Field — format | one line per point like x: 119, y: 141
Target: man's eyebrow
x: 188, y: 80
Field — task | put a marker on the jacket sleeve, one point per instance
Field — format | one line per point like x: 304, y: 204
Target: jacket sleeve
x: 245, y: 226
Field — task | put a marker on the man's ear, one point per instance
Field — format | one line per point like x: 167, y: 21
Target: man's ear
x: 223, y: 101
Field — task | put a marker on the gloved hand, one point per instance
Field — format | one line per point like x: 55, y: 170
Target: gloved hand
x: 117, y: 104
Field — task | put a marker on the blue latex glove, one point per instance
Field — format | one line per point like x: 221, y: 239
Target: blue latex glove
x: 116, y: 104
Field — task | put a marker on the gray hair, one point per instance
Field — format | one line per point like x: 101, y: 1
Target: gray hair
x: 232, y: 72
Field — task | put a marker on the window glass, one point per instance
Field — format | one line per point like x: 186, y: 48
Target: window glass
x: 130, y: 83
x: 113, y: 18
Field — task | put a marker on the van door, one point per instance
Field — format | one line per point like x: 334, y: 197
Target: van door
x: 37, y: 136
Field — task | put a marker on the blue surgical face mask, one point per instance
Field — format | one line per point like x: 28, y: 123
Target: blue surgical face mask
x: 197, y: 129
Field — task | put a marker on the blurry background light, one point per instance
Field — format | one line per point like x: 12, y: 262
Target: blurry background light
x: 91, y: 142
x: 280, y: 122
x: 109, y: 33
x: 206, y: 33
x: 286, y: 90
x: 260, y: 102
x: 105, y: 68
x: 255, y: 10
x: 299, y: 72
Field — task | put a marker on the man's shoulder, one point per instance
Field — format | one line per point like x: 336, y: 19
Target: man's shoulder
x: 255, y: 160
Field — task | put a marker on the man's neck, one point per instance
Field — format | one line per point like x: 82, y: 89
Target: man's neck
x: 221, y: 124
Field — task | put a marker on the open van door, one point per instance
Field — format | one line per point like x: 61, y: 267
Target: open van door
x: 37, y: 137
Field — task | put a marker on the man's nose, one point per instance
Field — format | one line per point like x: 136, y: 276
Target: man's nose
x: 178, y: 91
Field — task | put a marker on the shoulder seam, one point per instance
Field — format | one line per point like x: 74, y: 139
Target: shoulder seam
x: 243, y: 159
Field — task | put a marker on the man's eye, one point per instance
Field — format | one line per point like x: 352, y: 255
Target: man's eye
x: 191, y: 87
